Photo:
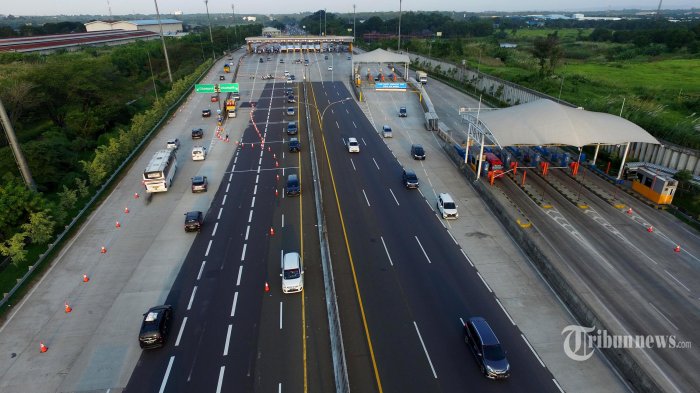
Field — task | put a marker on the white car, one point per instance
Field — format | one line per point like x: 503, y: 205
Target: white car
x: 292, y: 273
x: 199, y: 153
x: 446, y: 206
x: 173, y: 144
x: 353, y: 145
x: 286, y: 73
x: 330, y: 68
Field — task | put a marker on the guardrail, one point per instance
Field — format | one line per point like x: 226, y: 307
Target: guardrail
x: 90, y: 204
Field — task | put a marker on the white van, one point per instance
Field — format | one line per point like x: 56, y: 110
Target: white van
x: 447, y: 206
x: 199, y: 153
x: 292, y: 273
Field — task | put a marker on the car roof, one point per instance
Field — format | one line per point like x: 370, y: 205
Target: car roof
x: 446, y: 197
x: 292, y: 176
x: 198, y: 178
x: 195, y: 213
x: 409, y: 171
x: 351, y: 139
x: 488, y: 337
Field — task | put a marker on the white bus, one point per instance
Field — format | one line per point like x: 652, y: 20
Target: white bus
x: 158, y: 175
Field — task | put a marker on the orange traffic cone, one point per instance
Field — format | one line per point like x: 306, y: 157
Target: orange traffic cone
x: 274, y: 156
x: 277, y: 192
x: 67, y: 308
x: 43, y: 348
x: 629, y: 211
x: 278, y: 177
x: 677, y: 248
x: 277, y: 164
x: 86, y: 278
x: 136, y: 195
x: 126, y: 210
x: 267, y: 287
x: 650, y: 229
x: 103, y: 250
x: 272, y: 231
x: 269, y: 148
x: 117, y: 225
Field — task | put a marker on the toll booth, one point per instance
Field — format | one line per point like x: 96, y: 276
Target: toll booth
x: 655, y: 186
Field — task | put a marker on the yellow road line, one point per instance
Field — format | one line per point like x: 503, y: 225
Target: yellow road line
x: 347, y: 246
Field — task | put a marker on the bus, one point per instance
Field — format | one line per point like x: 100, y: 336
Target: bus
x: 158, y: 175
x: 495, y: 164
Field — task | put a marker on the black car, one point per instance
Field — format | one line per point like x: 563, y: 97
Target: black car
x: 294, y: 145
x: 197, y: 133
x: 206, y: 112
x: 486, y: 348
x: 193, y: 221
x: 222, y: 78
x: 200, y: 184
x: 417, y: 152
x: 291, y: 99
x: 289, y: 91
x: 293, y: 187
x: 409, y: 178
x: 155, y: 326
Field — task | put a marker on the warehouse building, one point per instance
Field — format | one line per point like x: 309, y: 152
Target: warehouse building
x: 170, y: 26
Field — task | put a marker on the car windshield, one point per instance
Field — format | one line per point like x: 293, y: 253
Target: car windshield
x: 493, y: 352
x: 411, y: 177
x: 198, y: 181
x: 449, y: 205
x: 290, y: 274
x: 419, y: 150
x: 293, y: 183
x: 151, y: 316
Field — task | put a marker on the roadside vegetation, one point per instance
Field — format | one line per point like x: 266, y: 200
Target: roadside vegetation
x: 77, y: 116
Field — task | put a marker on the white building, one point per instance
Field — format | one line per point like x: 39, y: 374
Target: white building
x: 170, y: 26
x: 271, y: 32
x: 250, y: 18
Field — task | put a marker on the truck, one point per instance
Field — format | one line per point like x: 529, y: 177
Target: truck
x: 227, y: 68
x: 422, y: 77
x: 230, y: 105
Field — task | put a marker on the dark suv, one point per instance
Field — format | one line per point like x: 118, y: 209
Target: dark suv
x: 417, y: 152
x: 409, y: 178
x: 193, y: 221
x: 206, y: 112
x: 154, y: 327
x: 486, y: 348
x: 197, y: 133
x: 200, y: 184
x: 294, y: 145
x: 293, y: 187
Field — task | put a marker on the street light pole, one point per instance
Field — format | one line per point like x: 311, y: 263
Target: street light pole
x: 353, y: 24
x: 165, y: 50
x: 211, y: 37
x: 399, y: 47
x: 323, y: 113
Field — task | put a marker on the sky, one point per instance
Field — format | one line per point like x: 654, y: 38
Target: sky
x: 123, y: 7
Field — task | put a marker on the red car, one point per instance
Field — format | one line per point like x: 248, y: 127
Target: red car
x: 214, y: 98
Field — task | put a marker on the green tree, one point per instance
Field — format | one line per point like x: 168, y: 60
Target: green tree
x: 547, y: 51
x: 82, y: 187
x: 39, y: 228
x: 67, y: 198
x: 14, y: 248
x: 17, y: 202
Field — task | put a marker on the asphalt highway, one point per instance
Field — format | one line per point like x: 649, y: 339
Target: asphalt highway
x: 417, y: 286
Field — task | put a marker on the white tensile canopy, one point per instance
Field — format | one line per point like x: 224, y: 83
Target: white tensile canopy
x: 380, y: 56
x: 545, y: 122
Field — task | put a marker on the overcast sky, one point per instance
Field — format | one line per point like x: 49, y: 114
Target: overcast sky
x: 122, y: 7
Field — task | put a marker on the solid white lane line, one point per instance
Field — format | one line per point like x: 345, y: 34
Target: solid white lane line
x: 353, y: 123
x: 505, y: 312
x: 182, y: 329
x: 245, y: 245
x: 221, y: 209
x: 663, y: 316
x: 387, y: 251
x: 206, y: 253
x: 247, y: 232
x: 676, y: 280
x: 260, y: 159
x: 252, y: 203
x: 395, y: 200
x: 233, y: 169
x: 282, y: 220
x: 465, y: 256
x: 375, y: 163
x: 453, y: 238
x: 255, y: 189
x: 484, y: 281
x: 227, y: 186
x: 363, y: 141
x: 250, y: 216
x: 240, y: 272
x: 201, y: 268
x: 235, y: 159
x: 235, y: 302
x: 425, y: 349
x: 281, y: 308
x: 557, y: 384
x: 353, y: 165
x: 221, y: 379
x: 532, y: 349
x: 367, y: 200
x: 167, y: 374
x: 279, y: 387
x: 216, y: 225
x: 258, y: 171
x: 230, y: 176
x: 194, y: 291
x: 337, y: 125
x: 256, y: 178
x: 283, y: 155
x: 422, y: 249
x: 223, y: 202
x: 228, y: 340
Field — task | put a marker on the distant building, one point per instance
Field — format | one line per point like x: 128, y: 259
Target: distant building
x: 250, y: 18
x: 170, y: 26
x: 582, y: 17
x: 508, y: 45
x: 271, y: 32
